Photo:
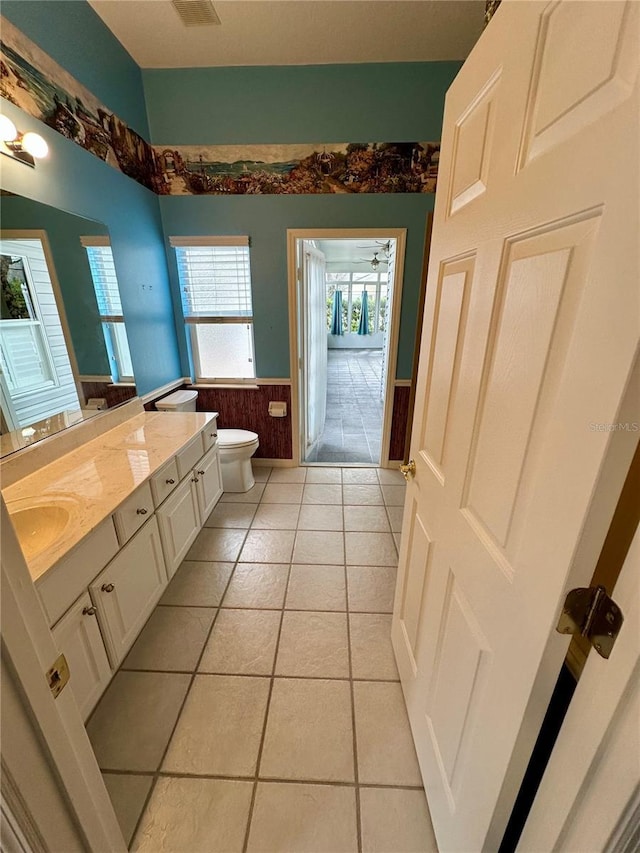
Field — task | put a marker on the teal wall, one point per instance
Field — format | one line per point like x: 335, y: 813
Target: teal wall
x: 391, y: 102
x: 75, y: 181
x: 329, y: 103
x: 73, y: 273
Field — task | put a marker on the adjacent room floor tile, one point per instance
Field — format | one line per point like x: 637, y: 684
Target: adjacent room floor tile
x: 288, y: 475
x: 370, y: 549
x: 231, y: 515
x: 257, y: 585
x: 371, y: 588
x: 313, y: 644
x: 242, y: 642
x: 322, y: 493
x: 314, y: 587
x: 219, y: 730
x: 371, y: 650
x: 394, y: 495
x: 360, y: 476
x: 132, y: 723
x: 358, y: 495
x: 309, y: 731
x: 395, y: 819
x: 324, y: 475
x: 251, y: 497
x: 386, y: 754
x: 292, y: 818
x: 194, y: 816
x: 217, y: 544
x: 276, y: 517
x: 366, y: 518
x: 268, y: 546
x: 198, y: 583
x: 283, y: 493
x: 172, y: 639
x: 318, y: 547
x: 320, y: 517
x: 128, y: 794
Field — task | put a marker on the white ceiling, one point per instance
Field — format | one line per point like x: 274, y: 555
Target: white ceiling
x: 346, y: 254
x: 296, y: 32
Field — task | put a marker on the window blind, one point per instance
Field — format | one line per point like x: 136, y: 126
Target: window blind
x: 105, y: 282
x: 215, y: 281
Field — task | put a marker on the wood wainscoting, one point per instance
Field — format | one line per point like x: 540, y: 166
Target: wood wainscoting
x: 113, y: 394
x: 248, y: 408
x: 399, y: 417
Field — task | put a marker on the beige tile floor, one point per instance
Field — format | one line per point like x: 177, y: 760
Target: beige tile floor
x: 260, y: 708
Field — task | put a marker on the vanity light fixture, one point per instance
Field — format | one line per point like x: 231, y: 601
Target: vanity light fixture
x: 25, y: 147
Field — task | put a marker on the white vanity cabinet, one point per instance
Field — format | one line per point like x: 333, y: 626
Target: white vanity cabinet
x: 179, y: 520
x: 208, y: 482
x: 78, y: 637
x: 126, y: 591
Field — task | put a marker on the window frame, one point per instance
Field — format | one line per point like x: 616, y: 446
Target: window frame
x: 108, y: 321
x: 349, y: 284
x: 192, y: 321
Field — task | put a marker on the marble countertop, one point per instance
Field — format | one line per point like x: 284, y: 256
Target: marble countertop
x: 99, y: 475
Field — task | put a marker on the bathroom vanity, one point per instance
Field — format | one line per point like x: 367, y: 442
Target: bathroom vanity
x: 104, y: 527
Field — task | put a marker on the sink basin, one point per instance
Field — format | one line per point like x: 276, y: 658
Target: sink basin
x: 38, y: 524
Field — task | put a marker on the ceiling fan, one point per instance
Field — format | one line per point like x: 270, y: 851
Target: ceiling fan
x: 374, y: 261
x: 385, y: 248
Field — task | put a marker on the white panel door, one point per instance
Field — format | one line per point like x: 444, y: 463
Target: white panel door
x: 593, y: 776
x: 531, y: 328
x: 314, y: 354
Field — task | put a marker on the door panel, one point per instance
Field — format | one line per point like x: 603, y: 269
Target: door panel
x: 530, y: 332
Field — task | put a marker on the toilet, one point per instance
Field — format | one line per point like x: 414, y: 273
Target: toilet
x: 237, y: 446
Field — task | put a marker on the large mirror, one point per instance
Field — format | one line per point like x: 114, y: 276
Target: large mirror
x: 64, y: 354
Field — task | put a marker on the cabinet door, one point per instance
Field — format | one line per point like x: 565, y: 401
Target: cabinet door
x: 78, y: 637
x: 179, y: 522
x: 209, y: 482
x: 126, y: 592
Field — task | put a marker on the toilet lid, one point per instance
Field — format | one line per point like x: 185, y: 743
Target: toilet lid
x: 236, y: 437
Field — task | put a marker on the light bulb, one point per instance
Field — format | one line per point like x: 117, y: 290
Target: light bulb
x: 8, y: 130
x: 35, y: 145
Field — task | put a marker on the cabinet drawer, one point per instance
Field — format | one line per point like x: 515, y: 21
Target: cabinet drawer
x: 133, y: 513
x: 210, y: 434
x: 126, y: 592
x: 78, y: 637
x: 189, y: 455
x: 179, y: 522
x: 164, y: 482
x: 64, y: 582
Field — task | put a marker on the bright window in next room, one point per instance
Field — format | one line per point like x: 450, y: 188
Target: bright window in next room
x: 105, y: 284
x: 215, y: 286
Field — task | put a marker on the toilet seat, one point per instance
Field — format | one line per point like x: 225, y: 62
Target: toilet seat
x: 232, y: 438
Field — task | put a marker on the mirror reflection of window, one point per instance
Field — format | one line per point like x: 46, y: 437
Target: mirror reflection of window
x: 105, y: 283
x: 36, y: 377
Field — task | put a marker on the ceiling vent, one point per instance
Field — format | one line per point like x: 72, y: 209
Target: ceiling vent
x: 196, y: 13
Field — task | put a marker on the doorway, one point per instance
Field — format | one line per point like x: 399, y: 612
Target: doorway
x: 345, y: 306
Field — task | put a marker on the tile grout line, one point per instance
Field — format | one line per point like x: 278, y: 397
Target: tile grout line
x: 266, y: 713
x: 352, y: 696
x: 183, y: 704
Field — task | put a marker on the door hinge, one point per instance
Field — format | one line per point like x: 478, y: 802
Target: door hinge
x: 58, y: 676
x: 590, y: 612
x: 299, y: 274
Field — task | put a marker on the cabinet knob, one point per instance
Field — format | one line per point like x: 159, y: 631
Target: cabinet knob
x: 141, y: 511
x: 213, y: 435
x: 108, y: 587
x: 201, y: 473
x: 170, y: 482
x: 88, y: 611
x: 195, y: 480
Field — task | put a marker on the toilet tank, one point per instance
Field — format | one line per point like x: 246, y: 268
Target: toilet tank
x: 179, y: 401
